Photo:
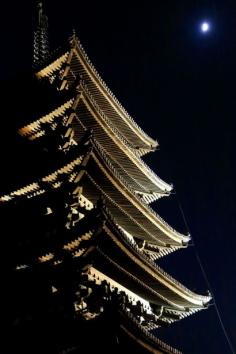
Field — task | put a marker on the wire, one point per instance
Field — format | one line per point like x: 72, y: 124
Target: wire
x: 206, y: 278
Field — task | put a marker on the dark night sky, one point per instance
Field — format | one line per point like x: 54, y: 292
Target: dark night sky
x: 179, y: 85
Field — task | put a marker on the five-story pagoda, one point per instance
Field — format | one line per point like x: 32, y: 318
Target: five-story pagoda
x: 85, y: 241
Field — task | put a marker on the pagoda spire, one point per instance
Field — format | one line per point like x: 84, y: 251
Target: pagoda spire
x: 41, y: 42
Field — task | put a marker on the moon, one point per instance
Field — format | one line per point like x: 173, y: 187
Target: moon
x: 205, y: 27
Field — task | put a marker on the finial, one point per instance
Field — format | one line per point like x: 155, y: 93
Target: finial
x: 40, y: 12
x: 41, y: 43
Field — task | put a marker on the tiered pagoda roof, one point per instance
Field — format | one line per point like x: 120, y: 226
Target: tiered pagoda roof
x: 93, y: 211
x: 75, y: 64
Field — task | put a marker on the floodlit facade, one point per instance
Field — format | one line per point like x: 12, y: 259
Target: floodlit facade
x: 85, y: 263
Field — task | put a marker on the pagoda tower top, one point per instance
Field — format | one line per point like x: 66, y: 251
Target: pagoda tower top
x: 41, y: 42
x: 41, y: 16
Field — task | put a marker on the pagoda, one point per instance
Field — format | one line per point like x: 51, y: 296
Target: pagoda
x: 84, y: 242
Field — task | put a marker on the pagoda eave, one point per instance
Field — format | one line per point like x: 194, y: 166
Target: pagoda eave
x: 124, y: 201
x: 140, y: 177
x: 150, y: 270
x: 75, y: 64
